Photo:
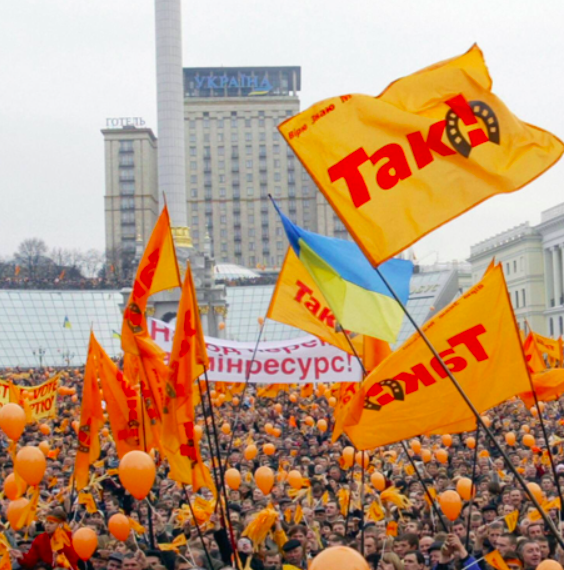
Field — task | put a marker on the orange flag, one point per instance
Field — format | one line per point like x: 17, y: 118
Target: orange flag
x: 91, y: 421
x: 495, y: 559
x: 548, y: 385
x: 188, y: 360
x: 409, y: 393
x: 533, y: 354
x: 157, y: 271
x: 511, y: 520
x: 122, y: 404
x: 433, y: 145
x: 552, y: 348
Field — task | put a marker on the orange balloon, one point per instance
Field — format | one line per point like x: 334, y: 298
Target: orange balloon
x: 295, y: 479
x: 470, y: 442
x: 221, y: 326
x: 233, y: 478
x: 278, y: 408
x: 487, y: 421
x: 378, y: 481
x: 264, y: 478
x: 348, y: 455
x: 269, y: 449
x: 293, y: 398
x: 536, y: 491
x: 362, y: 457
x: 14, y: 488
x: 549, y: 564
x: 226, y: 428
x: 30, y: 464
x: 12, y: 420
x: 276, y: 432
x: 332, y: 401
x: 534, y: 412
x: 105, y: 432
x: 14, y: 512
x: 309, y: 421
x: 442, y: 456
x: 250, y: 452
x: 415, y: 444
x: 525, y: 428
x: 321, y: 389
x: 85, y: 542
x: 44, y: 447
x: 510, y: 438
x: 119, y: 527
x: 137, y: 473
x: 528, y: 440
x: 451, y: 505
x: 426, y: 455
x: 339, y: 558
x: 74, y: 399
x: 484, y: 453
x: 44, y: 429
x: 221, y: 399
x: 447, y: 440
x: 235, y: 401
x: 268, y: 427
x: 465, y: 488
x: 322, y: 425
x: 75, y: 425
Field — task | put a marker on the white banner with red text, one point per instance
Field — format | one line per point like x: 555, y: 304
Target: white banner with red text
x: 301, y: 360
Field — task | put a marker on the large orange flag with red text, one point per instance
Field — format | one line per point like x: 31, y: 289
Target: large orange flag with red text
x: 91, y: 420
x: 433, y: 145
x: 187, y: 361
x: 409, y: 393
x: 157, y: 271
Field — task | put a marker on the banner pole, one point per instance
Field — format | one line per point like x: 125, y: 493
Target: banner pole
x: 427, y: 492
x: 479, y: 419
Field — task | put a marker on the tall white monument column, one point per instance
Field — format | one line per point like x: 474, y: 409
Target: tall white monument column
x: 170, y: 112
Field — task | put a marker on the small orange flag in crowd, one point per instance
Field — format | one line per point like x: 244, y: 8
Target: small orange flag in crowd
x: 495, y: 559
x: 91, y: 420
x: 410, y: 393
x: 433, y: 145
x: 511, y: 520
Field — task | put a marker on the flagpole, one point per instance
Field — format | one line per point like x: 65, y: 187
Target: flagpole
x: 220, y: 469
x: 479, y: 419
x: 425, y: 488
x: 472, y: 488
x: 551, y: 458
x: 199, y: 530
x: 247, y: 379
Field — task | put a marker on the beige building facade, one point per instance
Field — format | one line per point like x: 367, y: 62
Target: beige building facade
x: 131, y: 200
x: 520, y: 251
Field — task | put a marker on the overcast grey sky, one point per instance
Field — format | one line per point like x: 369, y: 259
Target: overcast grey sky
x: 69, y: 64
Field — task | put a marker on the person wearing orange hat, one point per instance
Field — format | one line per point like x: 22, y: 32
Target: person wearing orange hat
x: 41, y: 550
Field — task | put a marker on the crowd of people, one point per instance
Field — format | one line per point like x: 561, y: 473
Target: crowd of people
x: 391, y: 525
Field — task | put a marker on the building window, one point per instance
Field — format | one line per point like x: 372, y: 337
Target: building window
x: 248, y: 123
x: 194, y: 179
x: 279, y: 246
x: 524, y: 299
x: 221, y: 151
x: 251, y: 232
x: 223, y: 233
x: 222, y: 178
x: 222, y: 192
x: 127, y: 188
x: 220, y: 137
x: 277, y: 177
x: 128, y: 203
x: 234, y: 137
x: 193, y: 151
x: 206, y: 138
x: 561, y: 325
x: 207, y: 152
x: 251, y: 219
x: 249, y: 150
x: 261, y: 123
x: 221, y: 164
x: 250, y: 191
x: 262, y: 150
x: 126, y: 146
x: 193, y: 165
x: 249, y: 163
x: 551, y: 326
x: 249, y: 176
x: 126, y: 174
x: 126, y: 160
x: 248, y: 137
x: 507, y: 268
x: 262, y: 136
x: 252, y: 261
x: 223, y: 219
x: 305, y: 190
x: 194, y: 192
x: 251, y: 246
x: 128, y: 217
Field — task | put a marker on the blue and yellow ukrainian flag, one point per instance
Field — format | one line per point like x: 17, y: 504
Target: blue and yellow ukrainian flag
x: 67, y: 323
x: 355, y: 293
